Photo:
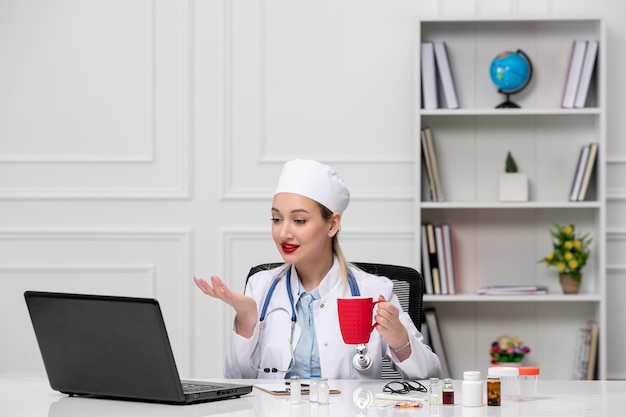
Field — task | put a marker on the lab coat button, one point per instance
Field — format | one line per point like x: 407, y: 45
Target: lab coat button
x: 325, y: 344
x: 322, y: 305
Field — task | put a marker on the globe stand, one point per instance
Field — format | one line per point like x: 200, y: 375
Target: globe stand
x: 507, y: 104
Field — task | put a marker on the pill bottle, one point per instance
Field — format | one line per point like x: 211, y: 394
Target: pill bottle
x: 447, y: 396
x: 509, y: 387
x: 472, y: 389
x: 493, y: 390
x: 314, y: 385
x: 435, y: 392
x: 323, y: 390
x: 295, y: 390
x: 528, y: 378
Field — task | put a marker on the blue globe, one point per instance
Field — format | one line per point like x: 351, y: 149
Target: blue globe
x: 511, y: 71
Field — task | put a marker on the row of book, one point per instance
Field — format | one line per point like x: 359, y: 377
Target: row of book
x: 438, y: 265
x: 584, y: 169
x: 586, y: 352
x: 581, y: 67
x: 431, y: 166
x: 437, y: 76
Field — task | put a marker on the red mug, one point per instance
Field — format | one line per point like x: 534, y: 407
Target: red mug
x: 355, y: 319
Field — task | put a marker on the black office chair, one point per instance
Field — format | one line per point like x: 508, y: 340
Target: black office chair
x: 408, y: 285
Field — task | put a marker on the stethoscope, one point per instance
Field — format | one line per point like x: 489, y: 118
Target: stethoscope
x: 361, y: 360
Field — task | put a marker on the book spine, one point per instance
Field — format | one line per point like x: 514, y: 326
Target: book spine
x: 445, y: 75
x: 580, y: 172
x: 443, y: 272
x: 587, y: 71
x: 584, y: 186
x: 434, y: 263
x: 573, y: 76
x: 449, y: 256
x: 428, y: 277
x: 429, y: 76
x: 429, y: 166
x: 434, y: 164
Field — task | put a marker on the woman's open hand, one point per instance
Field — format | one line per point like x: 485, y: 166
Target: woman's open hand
x: 245, y: 307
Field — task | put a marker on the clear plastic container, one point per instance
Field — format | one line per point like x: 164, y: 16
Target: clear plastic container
x: 508, y: 379
x: 528, y: 378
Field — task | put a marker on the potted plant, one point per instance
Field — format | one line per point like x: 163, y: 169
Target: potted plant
x: 569, y: 255
x: 513, y: 185
x: 508, y: 350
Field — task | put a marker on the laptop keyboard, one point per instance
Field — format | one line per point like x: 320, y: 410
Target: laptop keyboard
x: 190, y: 387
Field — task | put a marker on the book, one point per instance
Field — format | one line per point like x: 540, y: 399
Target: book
x: 592, y: 357
x: 434, y: 262
x: 433, y: 161
x: 445, y: 75
x: 428, y: 277
x: 428, y: 166
x: 584, y: 186
x: 449, y: 257
x: 589, y: 64
x: 580, y: 173
x: 573, y: 73
x: 513, y: 290
x: 582, y: 353
x: 436, y: 340
x: 429, y: 76
x: 443, y: 273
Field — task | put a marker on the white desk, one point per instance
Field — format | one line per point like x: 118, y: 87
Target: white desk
x: 32, y: 397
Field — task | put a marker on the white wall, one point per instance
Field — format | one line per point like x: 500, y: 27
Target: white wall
x: 140, y: 143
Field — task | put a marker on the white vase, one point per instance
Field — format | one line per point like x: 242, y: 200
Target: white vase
x: 513, y: 187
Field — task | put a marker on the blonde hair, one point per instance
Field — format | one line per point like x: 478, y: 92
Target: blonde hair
x: 327, y: 214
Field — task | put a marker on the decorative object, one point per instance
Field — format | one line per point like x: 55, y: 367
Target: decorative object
x: 569, y: 255
x: 508, y: 349
x: 513, y: 185
x: 510, y: 71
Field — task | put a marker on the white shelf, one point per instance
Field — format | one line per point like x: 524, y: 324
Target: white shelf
x: 547, y: 298
x: 500, y: 243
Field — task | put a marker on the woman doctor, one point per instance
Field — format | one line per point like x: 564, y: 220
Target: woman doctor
x: 287, y: 322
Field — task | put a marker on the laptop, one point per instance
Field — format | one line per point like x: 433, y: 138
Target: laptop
x: 113, y: 347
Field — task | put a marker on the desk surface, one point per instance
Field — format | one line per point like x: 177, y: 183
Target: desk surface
x: 32, y: 397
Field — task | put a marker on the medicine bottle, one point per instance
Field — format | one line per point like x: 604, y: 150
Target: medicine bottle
x: 509, y: 388
x: 295, y: 390
x: 472, y: 389
x: 447, y: 397
x: 323, y: 390
x: 314, y: 388
x: 435, y: 392
x: 493, y: 390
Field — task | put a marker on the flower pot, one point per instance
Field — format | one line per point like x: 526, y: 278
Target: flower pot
x: 569, y: 284
x: 513, y: 187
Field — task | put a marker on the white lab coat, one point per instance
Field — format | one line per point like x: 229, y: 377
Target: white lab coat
x: 274, y: 350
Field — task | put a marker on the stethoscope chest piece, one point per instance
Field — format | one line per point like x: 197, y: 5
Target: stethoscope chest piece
x: 361, y: 360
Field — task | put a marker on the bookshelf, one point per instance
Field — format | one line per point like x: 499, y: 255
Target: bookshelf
x: 500, y: 243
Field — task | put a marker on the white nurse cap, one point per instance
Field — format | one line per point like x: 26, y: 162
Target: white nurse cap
x: 316, y: 181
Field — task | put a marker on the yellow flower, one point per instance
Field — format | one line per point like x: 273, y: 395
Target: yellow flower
x: 568, y: 245
x: 577, y: 244
x: 573, y: 264
x: 561, y: 266
x: 568, y: 256
x: 550, y: 257
x: 568, y: 229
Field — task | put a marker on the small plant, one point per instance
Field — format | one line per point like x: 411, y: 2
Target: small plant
x: 508, y: 349
x: 569, y: 251
x: 510, y: 165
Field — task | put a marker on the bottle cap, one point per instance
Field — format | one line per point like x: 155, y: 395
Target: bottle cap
x: 503, y: 371
x: 528, y: 370
x: 471, y: 375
